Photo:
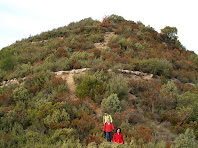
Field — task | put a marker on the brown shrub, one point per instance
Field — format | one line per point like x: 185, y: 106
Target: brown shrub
x: 136, y: 117
x: 143, y: 133
x: 90, y: 139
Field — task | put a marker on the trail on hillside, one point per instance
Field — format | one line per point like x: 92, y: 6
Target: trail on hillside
x: 101, y: 46
x: 71, y: 85
x: 68, y: 77
x: 104, y: 44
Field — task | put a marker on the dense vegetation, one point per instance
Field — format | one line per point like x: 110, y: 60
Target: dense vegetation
x: 38, y: 110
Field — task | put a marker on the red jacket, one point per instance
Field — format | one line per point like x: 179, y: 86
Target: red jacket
x: 118, y: 138
x: 108, y: 127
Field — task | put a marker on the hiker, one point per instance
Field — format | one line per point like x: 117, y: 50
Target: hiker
x: 105, y: 117
x: 118, y: 137
x: 108, y: 127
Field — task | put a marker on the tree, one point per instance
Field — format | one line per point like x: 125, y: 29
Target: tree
x: 186, y: 140
x: 170, y: 32
x: 7, y: 60
x: 111, y: 104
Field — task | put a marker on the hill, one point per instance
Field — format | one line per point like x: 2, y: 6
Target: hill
x: 56, y: 86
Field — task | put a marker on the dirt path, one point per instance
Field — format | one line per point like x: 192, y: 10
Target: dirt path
x: 71, y: 84
x: 104, y: 44
x: 101, y: 46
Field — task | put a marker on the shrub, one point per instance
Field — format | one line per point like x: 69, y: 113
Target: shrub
x: 92, y: 145
x: 115, y: 18
x: 111, y: 104
x: 96, y: 51
x: 168, y: 96
x: 155, y: 66
x: 32, y: 137
x: 117, y: 85
x: 83, y: 125
x: 186, y: 140
x: 143, y: 133
x: 57, y: 117
x: 14, y: 138
x: 135, y: 117
x: 72, y: 143
x: 8, y: 120
x: 91, y: 139
x: 120, y: 42
x: 38, y: 79
x: 6, y: 98
x: 22, y: 71
x: 138, y: 86
x: 62, y: 135
x: 96, y: 38
x: 7, y: 60
x: 90, y: 87
x: 56, y: 84
x: 189, y: 100
x: 20, y: 94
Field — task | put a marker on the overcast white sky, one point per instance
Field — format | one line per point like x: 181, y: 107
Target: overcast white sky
x: 22, y: 18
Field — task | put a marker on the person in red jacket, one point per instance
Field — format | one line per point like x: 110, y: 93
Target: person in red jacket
x: 108, y: 127
x: 118, y: 137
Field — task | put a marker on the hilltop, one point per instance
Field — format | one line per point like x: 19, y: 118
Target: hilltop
x: 56, y: 86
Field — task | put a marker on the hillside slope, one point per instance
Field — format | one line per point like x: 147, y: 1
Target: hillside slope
x: 56, y: 86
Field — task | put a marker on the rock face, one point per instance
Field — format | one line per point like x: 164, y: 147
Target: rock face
x: 144, y: 76
x: 74, y: 71
x: 61, y: 73
x: 12, y: 81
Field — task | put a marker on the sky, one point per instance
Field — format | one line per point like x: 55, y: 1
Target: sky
x: 23, y: 18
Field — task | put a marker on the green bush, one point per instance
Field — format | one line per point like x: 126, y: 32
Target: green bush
x: 111, y: 104
x: 22, y: 71
x: 71, y: 143
x: 38, y: 79
x: 15, y: 137
x: 116, y: 19
x: 117, y: 85
x: 7, y: 59
x: 168, y: 96
x: 124, y: 43
x: 96, y: 38
x: 62, y: 135
x: 8, y: 120
x: 156, y: 66
x: 32, y: 138
x: 186, y: 140
x: 57, y: 117
x: 189, y: 100
x: 90, y: 87
x: 21, y: 94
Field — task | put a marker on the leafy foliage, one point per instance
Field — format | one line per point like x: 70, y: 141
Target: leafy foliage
x: 111, y: 104
x: 90, y: 87
x: 156, y: 66
x: 37, y: 108
x: 117, y: 85
x: 185, y: 140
